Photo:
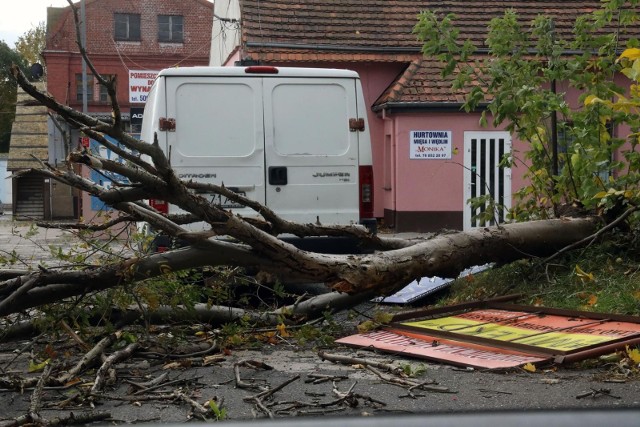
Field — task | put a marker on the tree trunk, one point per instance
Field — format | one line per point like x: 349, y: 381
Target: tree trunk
x: 380, y: 273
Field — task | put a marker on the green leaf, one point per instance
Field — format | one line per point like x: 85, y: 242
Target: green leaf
x: 37, y: 367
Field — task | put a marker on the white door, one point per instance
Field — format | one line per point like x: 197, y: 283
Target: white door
x: 219, y: 134
x: 311, y: 155
x: 483, y: 176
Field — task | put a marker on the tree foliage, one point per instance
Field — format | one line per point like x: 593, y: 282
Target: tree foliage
x: 8, y: 89
x: 570, y: 154
x: 32, y: 43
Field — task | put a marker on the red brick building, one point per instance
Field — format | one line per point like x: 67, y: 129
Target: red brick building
x: 130, y: 40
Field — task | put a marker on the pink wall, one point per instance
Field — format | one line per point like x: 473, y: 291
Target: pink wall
x: 421, y: 185
x: 437, y: 185
x: 433, y: 185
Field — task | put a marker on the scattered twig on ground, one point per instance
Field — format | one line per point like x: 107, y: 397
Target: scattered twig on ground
x: 410, y: 385
x: 71, y: 419
x: 73, y: 335
x: 346, y: 397
x: 596, y: 393
x: 89, y: 357
x: 348, y: 360
x: 17, y: 354
x: 145, y: 385
x: 258, y: 399
x: 33, y: 417
x: 164, y: 384
x: 36, y: 397
x: 152, y: 354
x: 322, y: 411
x: 320, y: 378
x: 486, y: 390
x: 109, y: 362
x: 155, y: 396
x: 249, y: 364
x: 199, y: 410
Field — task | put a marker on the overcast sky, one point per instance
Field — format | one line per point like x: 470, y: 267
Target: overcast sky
x: 18, y: 17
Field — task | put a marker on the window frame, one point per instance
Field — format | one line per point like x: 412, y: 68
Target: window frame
x: 103, y: 94
x: 131, y: 32
x: 90, y: 84
x: 566, y: 140
x: 173, y: 31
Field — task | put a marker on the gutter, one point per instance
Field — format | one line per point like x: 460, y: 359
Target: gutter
x: 342, y: 48
x: 385, y: 49
x: 410, y: 107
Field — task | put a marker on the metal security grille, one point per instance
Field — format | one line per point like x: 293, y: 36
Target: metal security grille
x: 484, y: 176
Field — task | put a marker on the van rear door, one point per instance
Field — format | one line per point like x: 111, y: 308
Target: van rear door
x: 311, y: 155
x: 219, y: 136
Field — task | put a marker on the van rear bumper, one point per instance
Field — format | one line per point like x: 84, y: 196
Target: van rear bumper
x: 328, y: 245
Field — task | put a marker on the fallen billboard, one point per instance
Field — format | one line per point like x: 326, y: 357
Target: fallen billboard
x: 493, y: 334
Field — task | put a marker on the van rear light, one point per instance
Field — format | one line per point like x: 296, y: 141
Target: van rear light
x: 160, y: 205
x: 261, y: 69
x: 366, y: 191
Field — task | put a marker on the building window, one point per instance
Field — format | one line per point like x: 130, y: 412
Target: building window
x: 79, y: 87
x: 102, y: 90
x: 566, y: 139
x: 170, y: 28
x: 127, y: 27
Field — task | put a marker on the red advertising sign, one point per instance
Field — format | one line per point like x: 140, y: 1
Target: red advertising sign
x: 494, y: 335
x: 437, y: 349
x: 535, y: 329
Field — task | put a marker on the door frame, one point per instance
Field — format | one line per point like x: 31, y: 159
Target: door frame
x: 493, y: 145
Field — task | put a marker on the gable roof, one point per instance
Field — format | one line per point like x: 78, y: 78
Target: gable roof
x: 381, y: 31
x: 381, y: 25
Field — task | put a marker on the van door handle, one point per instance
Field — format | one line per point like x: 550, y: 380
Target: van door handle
x: 278, y: 175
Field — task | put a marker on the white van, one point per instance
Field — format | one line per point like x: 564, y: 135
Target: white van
x: 293, y: 139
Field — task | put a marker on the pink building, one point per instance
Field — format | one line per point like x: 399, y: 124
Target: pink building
x: 429, y: 156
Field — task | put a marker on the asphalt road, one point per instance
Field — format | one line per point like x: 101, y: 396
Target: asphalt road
x: 575, y: 388
x: 470, y: 390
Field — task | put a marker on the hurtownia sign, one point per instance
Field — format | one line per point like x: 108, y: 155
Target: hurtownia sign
x: 430, y: 144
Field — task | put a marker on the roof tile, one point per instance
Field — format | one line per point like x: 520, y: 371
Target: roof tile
x: 382, y: 31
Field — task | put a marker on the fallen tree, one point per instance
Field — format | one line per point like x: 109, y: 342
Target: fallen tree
x: 255, y: 243
x: 379, y: 273
x: 388, y: 265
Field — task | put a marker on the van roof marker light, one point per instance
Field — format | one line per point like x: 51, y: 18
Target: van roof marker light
x: 261, y: 69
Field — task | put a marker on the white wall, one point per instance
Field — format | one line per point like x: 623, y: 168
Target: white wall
x: 225, y: 35
x: 5, y: 183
